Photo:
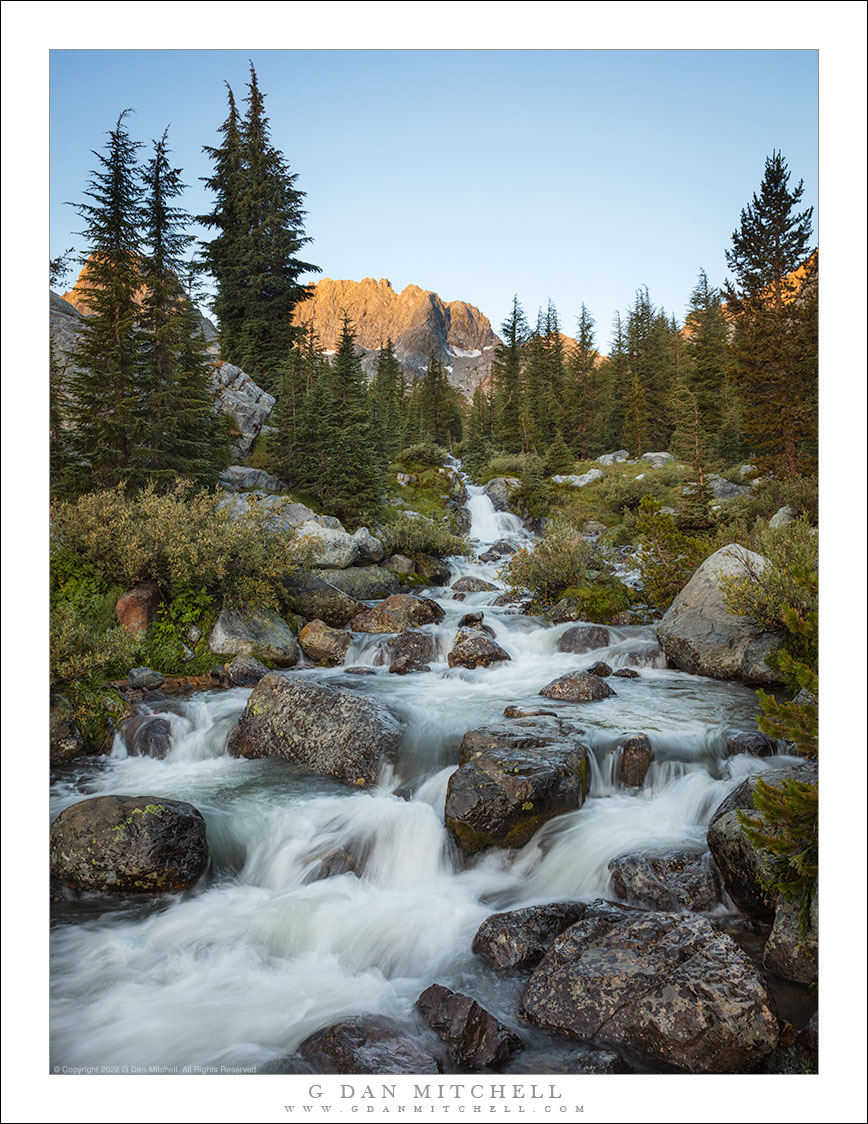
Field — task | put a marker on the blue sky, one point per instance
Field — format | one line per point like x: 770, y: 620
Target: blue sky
x: 576, y: 175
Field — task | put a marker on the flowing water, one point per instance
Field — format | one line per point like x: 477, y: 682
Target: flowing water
x: 241, y: 970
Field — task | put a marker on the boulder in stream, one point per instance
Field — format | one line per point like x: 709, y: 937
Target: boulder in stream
x: 398, y: 613
x: 364, y: 583
x: 473, y: 1037
x: 367, y: 1044
x: 512, y: 778
x: 473, y: 585
x: 673, y: 988
x: 324, y: 645
x: 672, y: 880
x: 584, y: 638
x: 473, y: 648
x: 329, y: 730
x: 411, y: 651
x: 577, y: 686
x: 518, y: 939
x: 246, y: 671
x: 129, y: 845
x: 636, y: 756
x: 146, y: 735
x: 256, y: 632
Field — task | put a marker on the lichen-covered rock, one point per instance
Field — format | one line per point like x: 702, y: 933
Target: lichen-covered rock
x: 599, y: 668
x: 584, y: 638
x: 519, y: 938
x: 254, y: 632
x: 636, y: 755
x: 576, y: 686
x: 432, y: 570
x: 144, y: 678
x: 243, y: 478
x: 327, y: 729
x: 620, y: 456
x: 789, y: 951
x: 670, y: 881
x: 129, y: 845
x: 398, y: 613
x: 324, y: 645
x: 580, y: 481
x: 473, y: 585
x: 65, y: 738
x: 364, y: 583
x: 657, y: 460
x: 673, y: 988
x: 411, y: 651
x: 740, y: 861
x: 400, y: 564
x: 246, y: 671
x: 327, y: 547
x: 512, y: 778
x: 246, y: 404
x: 783, y: 516
x: 701, y: 636
x: 146, y: 735
x: 625, y: 673
x: 499, y: 491
x: 370, y: 547
x: 137, y: 609
x: 367, y: 1044
x: 318, y: 598
x: 473, y: 1037
x: 473, y: 648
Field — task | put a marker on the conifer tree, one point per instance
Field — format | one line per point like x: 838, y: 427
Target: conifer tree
x: 636, y: 421
x: 58, y: 437
x: 477, y: 440
x: 558, y: 459
x: 651, y: 352
x: 707, y: 351
x: 507, y: 380
x: 104, y: 390
x: 178, y: 435
x: 585, y: 396
x: 690, y: 442
x: 388, y: 391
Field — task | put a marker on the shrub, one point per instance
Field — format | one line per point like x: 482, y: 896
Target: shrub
x: 602, y: 601
x: 562, y: 558
x: 413, y: 534
x: 668, y: 557
x: 506, y: 464
x: 80, y: 651
x: 424, y: 453
x: 183, y: 540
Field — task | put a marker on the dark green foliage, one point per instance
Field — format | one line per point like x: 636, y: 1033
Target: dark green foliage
x: 507, y: 406
x: 296, y: 452
x: 690, y: 442
x: 58, y: 436
x: 388, y: 398
x: 477, y: 433
x: 636, y: 423
x: 534, y: 495
x: 650, y: 342
x: 706, y: 353
x: 669, y: 555
x: 434, y: 407
x: 558, y: 459
x: 426, y: 453
x: 585, y: 393
x: 58, y: 268
x: 103, y: 387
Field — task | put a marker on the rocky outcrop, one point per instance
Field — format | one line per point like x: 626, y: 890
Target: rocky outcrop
x: 674, y: 880
x: 327, y: 729
x: 254, y: 632
x: 577, y: 686
x: 783, y: 516
x: 499, y: 490
x: 329, y: 548
x: 511, y: 779
x: 137, y: 609
x: 672, y: 988
x: 472, y: 648
x: 473, y: 585
x: 246, y: 671
x: 283, y: 514
x: 129, y: 845
x: 364, y: 583
x: 474, y: 1038
x: 416, y: 320
x: 580, y: 481
x: 318, y: 598
x: 367, y: 1044
x: 241, y: 478
x: 246, y: 405
x: 324, y: 645
x: 620, y: 456
x: 519, y: 938
x: 398, y: 613
x: 700, y: 635
x: 658, y: 460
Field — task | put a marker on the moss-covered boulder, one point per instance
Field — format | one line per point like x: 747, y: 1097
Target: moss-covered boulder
x: 65, y: 738
x: 128, y: 845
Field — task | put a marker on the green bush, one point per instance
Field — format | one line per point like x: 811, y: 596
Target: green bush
x: 411, y: 534
x: 769, y: 496
x: 561, y: 559
x: 602, y: 601
x: 183, y: 540
x: 668, y: 557
x: 424, y: 453
x: 82, y: 652
x: 506, y: 464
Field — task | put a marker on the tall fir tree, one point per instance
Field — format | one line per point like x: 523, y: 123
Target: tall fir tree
x: 707, y: 351
x: 636, y: 420
x: 506, y: 374
x: 178, y: 435
x: 585, y: 394
x: 103, y: 387
x: 775, y: 348
x: 388, y: 391
x: 651, y: 350
x: 477, y: 433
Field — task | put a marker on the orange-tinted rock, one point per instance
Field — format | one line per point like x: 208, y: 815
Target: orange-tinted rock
x: 137, y: 609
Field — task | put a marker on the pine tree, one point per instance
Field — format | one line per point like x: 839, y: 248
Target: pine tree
x: 636, y: 421
x: 178, y: 435
x: 507, y: 381
x: 707, y: 351
x: 477, y: 440
x: 104, y: 387
x: 388, y: 390
x: 558, y: 459
x: 690, y: 442
x: 585, y: 395
x: 295, y: 426
x: 650, y: 343
x: 775, y: 329
x: 58, y: 437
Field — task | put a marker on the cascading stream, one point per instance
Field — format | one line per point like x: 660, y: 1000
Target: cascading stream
x: 241, y: 970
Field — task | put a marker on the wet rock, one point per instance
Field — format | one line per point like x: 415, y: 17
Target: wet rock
x: 647, y: 655
x: 320, y: 599
x: 255, y: 632
x: 471, y: 620
x: 599, y: 668
x: 364, y: 583
x: 327, y: 729
x: 129, y: 845
x: 754, y: 743
x: 671, y: 881
x: 580, y: 481
x: 367, y: 1044
x: 789, y: 952
x: 411, y: 651
x: 370, y: 547
x: 576, y: 686
x: 636, y: 755
x: 520, y: 712
x: 673, y: 988
x: 400, y: 564
x: 740, y: 861
x: 473, y: 648
x: 144, y: 678
x: 699, y: 634
x: 519, y: 938
x: 328, y: 547
x: 398, y: 613
x: 324, y: 645
x: 499, y: 491
x: 65, y: 738
x: 433, y: 571
x: 501, y: 548
x: 625, y: 673
x: 473, y: 585
x: 137, y: 609
x: 512, y: 778
x: 245, y: 671
x: 349, y: 858
x: 146, y: 735
x: 473, y: 1037
x: 584, y: 638
x: 360, y: 670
